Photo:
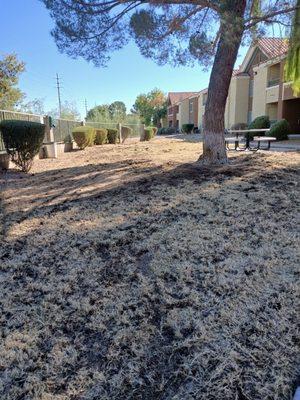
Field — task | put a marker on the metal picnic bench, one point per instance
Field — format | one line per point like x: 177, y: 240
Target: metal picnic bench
x: 245, y: 140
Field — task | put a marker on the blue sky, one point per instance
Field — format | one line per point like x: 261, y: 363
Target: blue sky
x: 25, y: 30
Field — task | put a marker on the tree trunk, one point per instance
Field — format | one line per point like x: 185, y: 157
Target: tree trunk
x: 231, y: 32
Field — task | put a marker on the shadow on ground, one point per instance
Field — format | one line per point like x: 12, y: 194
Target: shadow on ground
x: 161, y: 284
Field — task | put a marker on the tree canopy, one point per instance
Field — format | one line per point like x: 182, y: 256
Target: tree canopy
x: 68, y: 111
x: 151, y: 106
x: 117, y: 111
x: 35, y: 106
x: 10, y: 70
x: 179, y: 32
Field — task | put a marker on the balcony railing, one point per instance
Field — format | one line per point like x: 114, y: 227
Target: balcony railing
x: 273, y: 82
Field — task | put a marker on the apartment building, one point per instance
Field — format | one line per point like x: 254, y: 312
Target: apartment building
x: 182, y: 108
x: 256, y: 88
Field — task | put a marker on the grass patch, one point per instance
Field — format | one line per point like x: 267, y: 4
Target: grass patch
x: 135, y: 275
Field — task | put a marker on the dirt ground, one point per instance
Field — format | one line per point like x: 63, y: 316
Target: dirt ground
x: 128, y: 272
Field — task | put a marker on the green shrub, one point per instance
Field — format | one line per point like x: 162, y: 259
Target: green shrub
x: 112, y: 136
x: 187, y: 128
x: 126, y: 132
x: 280, y: 130
x: 100, y: 136
x: 84, y: 136
x: 170, y: 131
x: 22, y: 141
x: 166, y: 131
x: 262, y: 122
x: 161, y: 131
x: 148, y: 134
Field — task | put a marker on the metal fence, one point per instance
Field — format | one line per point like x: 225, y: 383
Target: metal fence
x: 62, y: 130
x: 136, y: 128
x: 5, y: 115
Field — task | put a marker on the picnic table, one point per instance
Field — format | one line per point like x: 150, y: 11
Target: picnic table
x: 245, y: 133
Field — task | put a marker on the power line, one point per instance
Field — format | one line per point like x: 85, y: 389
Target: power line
x: 58, y: 94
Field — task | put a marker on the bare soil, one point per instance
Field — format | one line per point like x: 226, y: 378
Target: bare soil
x: 129, y: 272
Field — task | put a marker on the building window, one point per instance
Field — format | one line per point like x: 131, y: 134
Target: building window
x: 191, y: 107
x: 170, y: 111
x: 204, y: 99
x: 170, y: 124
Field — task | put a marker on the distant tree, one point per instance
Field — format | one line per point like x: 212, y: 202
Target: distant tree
x: 35, y: 106
x: 68, y: 111
x: 10, y: 70
x: 179, y: 32
x: 99, y: 113
x: 117, y: 111
x: 151, y: 106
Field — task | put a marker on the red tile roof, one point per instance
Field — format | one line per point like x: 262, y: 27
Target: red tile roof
x: 175, y: 97
x: 273, y: 47
x: 235, y: 72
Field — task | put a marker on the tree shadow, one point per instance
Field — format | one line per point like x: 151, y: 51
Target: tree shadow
x: 141, y: 293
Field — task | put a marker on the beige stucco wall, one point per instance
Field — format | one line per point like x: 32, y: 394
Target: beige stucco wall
x: 271, y: 111
x: 201, y: 110
x: 259, y: 91
x: 236, y: 110
x: 242, y: 99
x: 183, y: 112
x: 272, y: 94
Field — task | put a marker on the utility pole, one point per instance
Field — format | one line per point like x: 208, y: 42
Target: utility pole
x: 86, y: 109
x: 58, y: 94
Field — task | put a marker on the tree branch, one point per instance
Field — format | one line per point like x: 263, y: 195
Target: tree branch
x: 181, y: 20
x: 115, y: 19
x: 257, y: 20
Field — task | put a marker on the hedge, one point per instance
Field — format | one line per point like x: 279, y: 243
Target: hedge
x: 262, y: 122
x: 22, y: 141
x: 84, y: 136
x: 112, y: 136
x: 148, y: 134
x: 187, y: 128
x: 280, y: 130
x: 101, y: 136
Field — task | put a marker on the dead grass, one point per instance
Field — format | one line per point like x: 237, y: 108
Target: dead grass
x: 127, y: 272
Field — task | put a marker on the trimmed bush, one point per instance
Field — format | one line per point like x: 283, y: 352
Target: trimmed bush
x: 84, y: 136
x: 112, y: 136
x: 281, y: 129
x: 22, y: 141
x: 100, y: 136
x: 161, y: 131
x: 170, y: 131
x: 166, y: 131
x: 148, y: 134
x: 262, y: 122
x: 126, y: 132
x: 187, y: 128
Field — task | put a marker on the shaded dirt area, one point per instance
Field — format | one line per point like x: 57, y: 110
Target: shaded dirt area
x: 127, y: 272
